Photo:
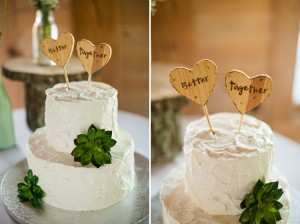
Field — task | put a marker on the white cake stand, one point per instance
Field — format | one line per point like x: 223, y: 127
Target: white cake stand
x: 134, y: 208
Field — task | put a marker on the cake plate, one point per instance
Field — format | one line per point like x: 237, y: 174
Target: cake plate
x: 134, y: 208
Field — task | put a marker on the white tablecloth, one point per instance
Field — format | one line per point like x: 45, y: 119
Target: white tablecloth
x: 137, y: 125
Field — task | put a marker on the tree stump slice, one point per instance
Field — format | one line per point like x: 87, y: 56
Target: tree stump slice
x: 166, y: 105
x: 36, y: 80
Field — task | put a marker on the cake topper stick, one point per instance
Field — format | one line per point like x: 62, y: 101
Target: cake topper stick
x: 247, y: 93
x: 59, y: 51
x: 196, y: 84
x: 240, y: 123
x: 66, y: 77
x: 207, y: 117
x: 92, y: 57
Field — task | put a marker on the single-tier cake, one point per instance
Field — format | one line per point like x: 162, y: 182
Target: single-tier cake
x: 68, y: 184
x: 220, y: 170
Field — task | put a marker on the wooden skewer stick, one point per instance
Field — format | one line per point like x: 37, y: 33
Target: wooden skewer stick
x: 240, y: 125
x: 89, y: 81
x: 207, y: 117
x: 66, y: 77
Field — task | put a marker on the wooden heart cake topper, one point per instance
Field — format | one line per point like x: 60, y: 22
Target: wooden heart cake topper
x: 196, y: 84
x: 59, y: 51
x: 247, y: 93
x: 93, y: 57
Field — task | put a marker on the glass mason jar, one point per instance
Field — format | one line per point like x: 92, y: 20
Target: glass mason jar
x: 7, y: 136
x: 43, y: 27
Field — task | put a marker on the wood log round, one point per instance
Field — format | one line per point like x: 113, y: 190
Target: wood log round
x: 36, y: 80
x: 165, y: 128
x: 166, y: 106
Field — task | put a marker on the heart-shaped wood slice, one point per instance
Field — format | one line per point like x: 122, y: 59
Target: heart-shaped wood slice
x: 93, y: 57
x: 245, y: 92
x: 59, y: 50
x: 196, y: 84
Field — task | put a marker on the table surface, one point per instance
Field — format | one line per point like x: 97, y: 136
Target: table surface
x: 137, y: 125
x: 286, y: 159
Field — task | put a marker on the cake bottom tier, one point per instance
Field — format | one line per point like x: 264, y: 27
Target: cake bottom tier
x: 68, y: 185
x: 179, y: 208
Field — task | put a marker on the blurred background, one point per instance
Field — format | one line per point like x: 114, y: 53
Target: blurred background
x: 257, y: 37
x: 122, y: 24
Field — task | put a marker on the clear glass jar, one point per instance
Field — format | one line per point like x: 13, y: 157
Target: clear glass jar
x: 7, y: 136
x: 43, y: 27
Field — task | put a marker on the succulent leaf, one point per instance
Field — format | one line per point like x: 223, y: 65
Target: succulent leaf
x: 277, y: 205
x: 86, y: 158
x: 258, y: 185
x: 259, y: 194
x: 276, y: 194
x: 250, y: 201
x: 99, y: 133
x: 270, y: 218
x: 82, y: 139
x: 108, y: 133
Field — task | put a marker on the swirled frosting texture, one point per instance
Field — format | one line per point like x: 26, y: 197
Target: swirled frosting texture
x: 178, y: 207
x: 70, y: 186
x: 70, y: 112
x: 220, y: 171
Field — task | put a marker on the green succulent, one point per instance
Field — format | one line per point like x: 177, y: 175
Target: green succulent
x: 93, y: 147
x: 262, y: 206
x: 30, y: 191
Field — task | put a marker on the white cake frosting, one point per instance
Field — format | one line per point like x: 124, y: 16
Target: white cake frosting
x: 178, y: 207
x: 69, y: 112
x: 221, y: 171
x: 71, y: 186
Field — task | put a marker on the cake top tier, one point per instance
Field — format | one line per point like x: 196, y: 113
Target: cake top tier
x: 79, y: 91
x: 70, y: 112
x: 255, y: 137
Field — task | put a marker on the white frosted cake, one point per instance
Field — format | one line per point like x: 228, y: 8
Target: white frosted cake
x: 68, y: 184
x: 219, y: 171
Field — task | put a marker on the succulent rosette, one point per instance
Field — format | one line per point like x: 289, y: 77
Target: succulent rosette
x: 93, y: 147
x: 262, y: 205
x: 30, y: 191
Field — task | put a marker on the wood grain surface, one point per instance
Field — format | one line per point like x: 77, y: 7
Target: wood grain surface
x: 59, y: 51
x: 247, y: 93
x: 196, y: 84
x: 93, y: 57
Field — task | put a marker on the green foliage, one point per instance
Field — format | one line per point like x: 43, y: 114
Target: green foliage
x: 93, y: 147
x: 30, y: 191
x: 153, y: 6
x: 262, y: 206
x: 44, y: 5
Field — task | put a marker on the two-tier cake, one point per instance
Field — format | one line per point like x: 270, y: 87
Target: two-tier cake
x: 68, y: 184
x: 219, y: 171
